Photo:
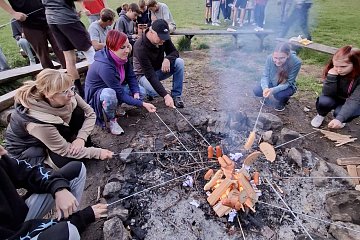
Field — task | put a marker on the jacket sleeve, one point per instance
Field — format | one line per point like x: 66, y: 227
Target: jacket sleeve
x: 82, y: 218
x: 351, y: 105
x: 90, y: 119
x: 293, y: 72
x: 170, y: 50
x: 265, y: 79
x: 111, y: 78
x: 330, y: 87
x: 149, y: 71
x: 37, y: 179
x: 131, y: 79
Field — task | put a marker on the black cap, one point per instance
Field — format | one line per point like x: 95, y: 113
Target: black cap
x: 161, y: 27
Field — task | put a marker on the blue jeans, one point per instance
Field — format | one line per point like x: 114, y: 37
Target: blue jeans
x: 282, y: 97
x: 176, y: 70
x: 325, y: 104
x: 3, y: 63
x: 259, y: 13
x: 301, y: 14
x: 25, y: 45
x: 110, y: 102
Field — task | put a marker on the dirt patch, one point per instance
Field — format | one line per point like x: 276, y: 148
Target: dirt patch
x: 219, y: 81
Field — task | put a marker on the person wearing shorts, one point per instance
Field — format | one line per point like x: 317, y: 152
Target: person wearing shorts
x: 239, y: 4
x: 208, y: 9
x: 70, y: 34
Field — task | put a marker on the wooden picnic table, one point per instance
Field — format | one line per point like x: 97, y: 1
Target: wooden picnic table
x: 314, y: 46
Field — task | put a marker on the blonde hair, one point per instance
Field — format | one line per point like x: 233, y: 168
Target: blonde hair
x: 48, y: 82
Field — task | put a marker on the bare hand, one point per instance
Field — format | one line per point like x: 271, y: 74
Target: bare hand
x: 333, y: 71
x: 165, y: 67
x: 87, y: 12
x: 169, y: 101
x: 76, y: 146
x: 336, y: 124
x: 106, y: 154
x: 66, y: 204
x: 2, y: 151
x: 267, y: 92
x: 137, y: 95
x: 151, y: 108
x: 19, y: 16
x: 100, y: 210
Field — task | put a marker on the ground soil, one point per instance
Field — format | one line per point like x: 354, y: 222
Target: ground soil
x: 217, y: 81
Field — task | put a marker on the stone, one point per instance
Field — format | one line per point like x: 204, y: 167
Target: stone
x: 344, y: 206
x: 315, y: 236
x: 125, y: 153
x: 183, y: 126
x: 343, y: 233
x: 169, y: 137
x: 268, y: 136
x: 111, y: 188
x: 119, y: 212
x: 114, y: 230
x: 294, y: 155
x: 325, y: 169
x: 287, y: 135
x: 269, y: 122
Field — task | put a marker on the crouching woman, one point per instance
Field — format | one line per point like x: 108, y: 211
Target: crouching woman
x: 341, y: 89
x: 111, y: 81
x: 51, y: 123
x: 278, y: 82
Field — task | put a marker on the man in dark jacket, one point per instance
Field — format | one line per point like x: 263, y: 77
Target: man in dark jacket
x: 31, y: 15
x: 152, y: 66
x: 37, y: 180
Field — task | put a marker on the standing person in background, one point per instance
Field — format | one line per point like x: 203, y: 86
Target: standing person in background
x: 31, y: 15
x: 285, y: 6
x: 341, y: 89
x: 92, y: 9
x: 224, y: 8
x: 99, y: 29
x: 215, y: 12
x: 21, y: 41
x: 144, y: 19
x: 239, y: 4
x: 208, y: 11
x: 70, y: 34
x: 126, y: 23
x: 278, y: 82
x: 161, y: 11
x: 259, y: 13
x: 300, y: 13
x: 3, y: 62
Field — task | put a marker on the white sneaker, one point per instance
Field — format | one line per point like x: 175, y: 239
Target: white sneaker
x: 115, y: 127
x: 317, y: 121
x: 259, y: 29
x: 215, y: 24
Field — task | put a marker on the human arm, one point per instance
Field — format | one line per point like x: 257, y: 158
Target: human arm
x: 170, y: 50
x: 17, y: 15
x: 84, y: 9
x: 95, y: 37
x: 351, y: 105
x: 265, y: 79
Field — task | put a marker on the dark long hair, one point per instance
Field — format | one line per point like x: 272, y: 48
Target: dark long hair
x: 352, y: 55
x: 283, y: 74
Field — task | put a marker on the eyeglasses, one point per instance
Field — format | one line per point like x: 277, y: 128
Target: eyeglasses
x: 68, y: 91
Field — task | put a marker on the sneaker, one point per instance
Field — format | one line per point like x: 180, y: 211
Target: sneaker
x: 115, y: 127
x: 279, y: 107
x: 317, y: 121
x: 259, y: 29
x: 233, y: 24
x: 215, y: 24
x: 178, y: 102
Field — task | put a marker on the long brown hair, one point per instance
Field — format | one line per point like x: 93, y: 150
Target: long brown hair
x: 283, y: 74
x: 48, y: 82
x: 350, y: 55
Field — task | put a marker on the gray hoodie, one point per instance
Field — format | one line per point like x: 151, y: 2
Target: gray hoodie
x: 125, y: 25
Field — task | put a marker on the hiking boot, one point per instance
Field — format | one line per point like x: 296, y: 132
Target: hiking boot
x: 115, y: 128
x: 178, y: 102
x: 317, y: 121
x: 279, y: 107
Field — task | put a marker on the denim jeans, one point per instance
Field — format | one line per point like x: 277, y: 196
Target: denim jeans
x: 3, y: 62
x: 325, y: 104
x: 25, y: 45
x: 301, y: 14
x: 176, y: 70
x: 110, y: 102
x: 282, y: 97
x: 259, y: 13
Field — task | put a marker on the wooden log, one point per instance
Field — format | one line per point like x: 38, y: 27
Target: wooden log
x: 348, y: 161
x: 353, y: 173
x: 221, y: 209
x: 245, y: 184
x: 218, y: 175
x: 219, y: 191
x: 358, y: 171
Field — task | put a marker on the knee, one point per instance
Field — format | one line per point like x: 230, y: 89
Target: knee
x: 83, y: 171
x: 258, y: 92
x: 325, y: 101
x: 22, y: 42
x: 179, y: 63
x: 109, y: 96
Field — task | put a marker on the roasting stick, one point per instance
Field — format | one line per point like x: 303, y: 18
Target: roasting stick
x: 295, y: 139
x: 289, y: 209
x: 193, y: 126
x: 157, y: 185
x: 158, y: 152
x: 242, y: 232
x: 4, y: 25
x: 252, y: 136
x: 308, y: 216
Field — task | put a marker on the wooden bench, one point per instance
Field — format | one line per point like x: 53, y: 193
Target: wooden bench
x: 314, y: 46
x: 21, y: 72
x: 190, y: 33
x: 7, y: 100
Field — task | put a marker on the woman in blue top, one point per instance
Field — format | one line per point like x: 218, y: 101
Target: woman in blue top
x: 278, y: 80
x: 111, y: 81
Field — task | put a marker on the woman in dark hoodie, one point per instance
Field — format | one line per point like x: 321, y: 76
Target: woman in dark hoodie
x: 111, y: 81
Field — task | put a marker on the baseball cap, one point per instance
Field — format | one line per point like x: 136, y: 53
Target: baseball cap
x: 161, y: 27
